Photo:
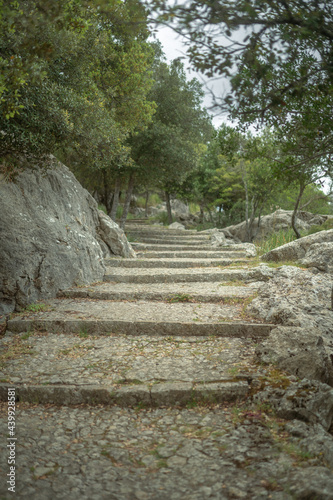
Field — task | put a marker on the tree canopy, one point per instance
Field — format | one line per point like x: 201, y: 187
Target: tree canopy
x: 74, y: 78
x: 224, y: 37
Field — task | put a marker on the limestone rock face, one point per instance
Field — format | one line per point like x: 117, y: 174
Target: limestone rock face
x: 315, y: 250
x: 177, y: 225
x: 299, y: 351
x: 320, y: 256
x: 51, y: 237
x: 295, y: 297
x: 310, y: 401
x: 300, y: 302
x: 179, y: 209
x: 218, y: 239
x: 278, y: 220
x: 113, y: 237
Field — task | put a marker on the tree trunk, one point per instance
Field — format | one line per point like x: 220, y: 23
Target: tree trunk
x: 107, y: 196
x: 146, y: 204
x: 115, y: 202
x: 254, y: 207
x: 210, y: 215
x: 220, y: 214
x: 127, y: 201
x: 202, y: 215
x: 248, y: 232
x: 168, y: 205
x: 294, y: 216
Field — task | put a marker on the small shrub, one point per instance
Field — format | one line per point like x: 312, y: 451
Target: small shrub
x: 323, y: 227
x: 37, y: 307
x: 194, y: 208
x: 103, y: 208
x: 204, y: 225
x: 140, y: 202
x: 275, y: 240
x: 119, y: 212
x: 154, y: 199
x: 161, y: 217
x: 180, y: 297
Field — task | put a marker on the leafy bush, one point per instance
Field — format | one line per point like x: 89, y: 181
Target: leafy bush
x: 140, y: 202
x: 154, y: 199
x: 275, y: 240
x: 103, y: 208
x: 194, y: 208
x: 119, y: 211
x: 161, y: 217
x: 323, y: 227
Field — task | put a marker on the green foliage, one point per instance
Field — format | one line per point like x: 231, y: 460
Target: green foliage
x: 74, y: 82
x: 154, y: 199
x: 280, y: 74
x: 102, y: 207
x: 37, y: 307
x: 170, y: 146
x: 180, y: 297
x: 277, y: 35
x: 323, y: 227
x: 275, y: 240
x: 160, y: 218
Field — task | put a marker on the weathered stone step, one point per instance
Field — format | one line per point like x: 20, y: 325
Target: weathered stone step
x: 126, y: 371
x: 170, y: 263
x: 161, y: 235
x: 164, y: 275
x: 159, y: 230
x: 177, y: 241
x: 194, y: 254
x: 172, y: 292
x: 139, y: 318
x: 159, y: 395
x: 161, y: 247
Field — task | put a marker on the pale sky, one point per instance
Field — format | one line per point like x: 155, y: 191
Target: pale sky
x: 173, y: 48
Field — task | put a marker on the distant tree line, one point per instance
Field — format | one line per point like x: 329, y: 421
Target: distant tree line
x: 81, y: 80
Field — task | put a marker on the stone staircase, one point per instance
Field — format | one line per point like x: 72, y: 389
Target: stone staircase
x: 142, y: 387
x: 169, y: 327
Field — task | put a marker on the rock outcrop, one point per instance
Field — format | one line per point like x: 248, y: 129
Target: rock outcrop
x: 52, y: 236
x: 300, y: 302
x: 299, y: 351
x: 315, y: 250
x: 177, y: 225
x: 278, y: 220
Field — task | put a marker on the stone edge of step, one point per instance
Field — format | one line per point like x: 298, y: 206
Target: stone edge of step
x: 237, y: 329
x: 152, y: 395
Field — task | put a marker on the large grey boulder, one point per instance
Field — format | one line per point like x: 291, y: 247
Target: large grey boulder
x: 113, y: 238
x: 52, y: 236
x: 300, y: 302
x: 272, y: 223
x: 295, y: 297
x: 179, y: 209
x: 315, y: 250
x: 309, y: 401
x: 298, y: 351
x: 177, y: 225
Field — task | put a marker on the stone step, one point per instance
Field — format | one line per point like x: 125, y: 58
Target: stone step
x: 165, y: 275
x: 171, y: 263
x: 122, y: 370
x: 142, y: 395
x: 177, y: 241
x: 160, y: 231
x: 161, y: 247
x: 96, y: 317
x: 194, y: 254
x: 136, y: 222
x: 171, y: 292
